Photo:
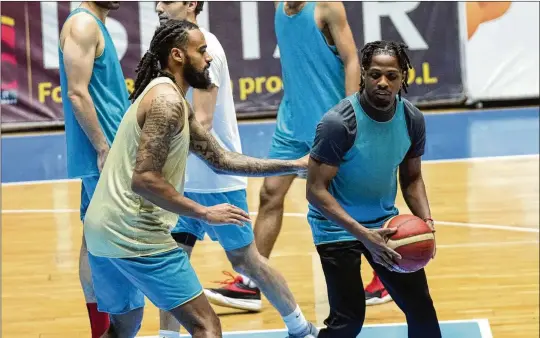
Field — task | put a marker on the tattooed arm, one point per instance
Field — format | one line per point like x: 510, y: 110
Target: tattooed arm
x: 163, y: 120
x: 222, y: 161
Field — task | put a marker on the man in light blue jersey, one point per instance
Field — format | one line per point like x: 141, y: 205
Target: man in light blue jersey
x: 214, y: 109
x: 320, y: 67
x: 360, y: 145
x: 95, y: 98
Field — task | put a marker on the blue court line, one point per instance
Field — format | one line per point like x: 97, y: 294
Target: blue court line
x: 503, y: 132
x: 477, y: 328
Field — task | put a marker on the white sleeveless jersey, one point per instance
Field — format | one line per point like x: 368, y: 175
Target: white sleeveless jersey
x: 120, y: 223
x: 200, y: 178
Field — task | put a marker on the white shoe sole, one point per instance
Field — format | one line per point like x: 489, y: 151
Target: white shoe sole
x: 377, y: 301
x: 243, y: 304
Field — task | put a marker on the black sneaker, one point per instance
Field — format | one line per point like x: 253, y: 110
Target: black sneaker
x: 235, y: 294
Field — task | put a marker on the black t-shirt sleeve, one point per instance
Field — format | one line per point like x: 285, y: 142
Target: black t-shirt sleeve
x: 416, y: 126
x: 335, y: 134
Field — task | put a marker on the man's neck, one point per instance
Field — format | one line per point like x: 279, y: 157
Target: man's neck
x: 179, y: 79
x: 101, y: 13
x: 378, y: 114
x: 192, y: 19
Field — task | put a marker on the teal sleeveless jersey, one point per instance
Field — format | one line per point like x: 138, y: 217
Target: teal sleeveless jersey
x: 366, y: 182
x: 313, y: 73
x: 109, y: 93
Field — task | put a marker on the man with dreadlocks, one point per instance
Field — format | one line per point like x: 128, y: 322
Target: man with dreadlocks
x: 139, y: 195
x: 352, y: 183
x: 214, y: 108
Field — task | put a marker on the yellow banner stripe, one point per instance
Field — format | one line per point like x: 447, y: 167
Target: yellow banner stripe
x: 6, y: 20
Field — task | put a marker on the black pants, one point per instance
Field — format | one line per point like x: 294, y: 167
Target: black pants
x: 341, y: 265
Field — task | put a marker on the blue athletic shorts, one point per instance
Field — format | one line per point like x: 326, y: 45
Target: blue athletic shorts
x: 166, y: 279
x: 88, y: 187
x: 283, y: 148
x: 231, y: 237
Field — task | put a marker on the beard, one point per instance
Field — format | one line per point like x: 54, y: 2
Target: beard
x: 197, y: 79
x: 108, y: 4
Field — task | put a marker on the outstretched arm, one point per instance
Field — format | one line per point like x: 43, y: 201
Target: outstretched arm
x: 222, y: 161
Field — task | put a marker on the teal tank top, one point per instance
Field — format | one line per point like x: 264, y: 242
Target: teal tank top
x: 366, y: 182
x: 109, y: 93
x: 312, y: 72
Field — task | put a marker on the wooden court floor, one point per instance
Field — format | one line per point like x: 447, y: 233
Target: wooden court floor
x: 486, y: 264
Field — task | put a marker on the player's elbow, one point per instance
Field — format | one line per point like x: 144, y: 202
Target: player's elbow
x: 206, y: 122
x: 77, y: 94
x: 313, y: 193
x: 141, y: 183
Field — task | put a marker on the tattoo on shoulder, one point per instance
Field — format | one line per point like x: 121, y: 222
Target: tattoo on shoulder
x: 164, y: 119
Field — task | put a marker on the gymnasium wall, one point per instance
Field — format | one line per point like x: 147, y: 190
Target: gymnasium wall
x: 461, y: 52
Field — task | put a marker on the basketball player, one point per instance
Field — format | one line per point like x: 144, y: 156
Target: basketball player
x: 214, y: 109
x: 352, y: 182
x: 320, y: 67
x: 95, y: 98
x: 140, y: 193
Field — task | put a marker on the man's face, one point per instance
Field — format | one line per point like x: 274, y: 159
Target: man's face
x: 172, y: 10
x: 383, y: 80
x: 111, y: 5
x: 197, y: 61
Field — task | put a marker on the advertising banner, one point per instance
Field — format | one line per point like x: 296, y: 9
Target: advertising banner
x: 30, y: 37
x: 502, y: 57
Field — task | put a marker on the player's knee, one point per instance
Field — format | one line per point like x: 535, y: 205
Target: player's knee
x: 272, y: 196
x: 244, y: 260
x: 240, y: 264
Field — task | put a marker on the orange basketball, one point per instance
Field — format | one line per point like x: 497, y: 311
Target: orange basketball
x: 414, y: 241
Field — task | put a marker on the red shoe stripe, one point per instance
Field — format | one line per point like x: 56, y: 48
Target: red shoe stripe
x: 235, y: 288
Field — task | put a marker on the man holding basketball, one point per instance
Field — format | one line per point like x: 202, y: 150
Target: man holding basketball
x: 352, y: 185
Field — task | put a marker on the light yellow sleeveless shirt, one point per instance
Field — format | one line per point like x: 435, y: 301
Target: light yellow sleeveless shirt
x: 120, y: 223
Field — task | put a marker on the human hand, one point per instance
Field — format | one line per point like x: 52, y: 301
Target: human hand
x: 376, y: 243
x: 224, y: 214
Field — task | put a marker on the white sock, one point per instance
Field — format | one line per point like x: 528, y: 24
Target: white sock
x: 247, y: 281
x: 296, y: 322
x: 168, y: 334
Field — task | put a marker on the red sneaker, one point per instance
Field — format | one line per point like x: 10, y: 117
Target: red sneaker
x: 235, y: 294
x: 376, y: 292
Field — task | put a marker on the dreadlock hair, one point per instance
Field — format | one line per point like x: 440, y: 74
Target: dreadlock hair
x: 171, y: 34
x: 396, y: 49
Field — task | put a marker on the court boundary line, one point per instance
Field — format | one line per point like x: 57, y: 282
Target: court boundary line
x: 482, y: 322
x: 450, y: 160
x: 303, y: 215
x: 485, y: 328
